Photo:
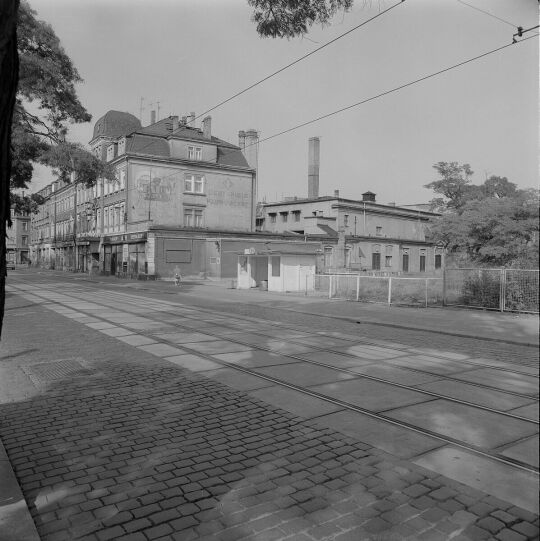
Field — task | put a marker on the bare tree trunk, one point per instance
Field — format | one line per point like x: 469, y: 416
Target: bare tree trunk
x: 9, y: 76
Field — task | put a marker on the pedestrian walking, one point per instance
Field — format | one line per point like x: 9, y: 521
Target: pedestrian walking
x: 177, y: 279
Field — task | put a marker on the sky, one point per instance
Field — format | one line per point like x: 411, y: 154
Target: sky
x: 189, y: 55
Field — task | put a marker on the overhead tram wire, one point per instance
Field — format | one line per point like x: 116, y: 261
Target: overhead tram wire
x: 385, y: 93
x: 299, y: 59
x: 395, y: 89
x: 290, y: 65
x: 488, y: 13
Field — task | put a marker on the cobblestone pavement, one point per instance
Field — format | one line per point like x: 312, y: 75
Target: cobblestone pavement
x: 111, y: 442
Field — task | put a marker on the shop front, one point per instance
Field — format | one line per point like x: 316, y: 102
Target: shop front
x: 124, y: 255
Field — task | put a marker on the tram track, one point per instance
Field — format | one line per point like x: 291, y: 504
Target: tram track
x: 218, y: 320
x: 345, y: 355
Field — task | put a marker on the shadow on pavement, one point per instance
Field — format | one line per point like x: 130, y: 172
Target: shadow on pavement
x: 132, y: 446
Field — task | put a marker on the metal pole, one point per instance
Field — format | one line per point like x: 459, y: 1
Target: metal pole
x: 357, y: 287
x: 306, y: 283
x: 426, y: 292
x: 502, y: 290
x: 390, y: 290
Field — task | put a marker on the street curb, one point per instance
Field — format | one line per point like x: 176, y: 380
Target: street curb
x: 413, y: 328
x: 16, y: 523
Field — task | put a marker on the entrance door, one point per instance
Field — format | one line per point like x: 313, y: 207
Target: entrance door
x: 376, y: 261
x: 405, y: 262
x: 113, y: 263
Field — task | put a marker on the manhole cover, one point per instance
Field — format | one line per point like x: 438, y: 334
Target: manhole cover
x: 45, y: 372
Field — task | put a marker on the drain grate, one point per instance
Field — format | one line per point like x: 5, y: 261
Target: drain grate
x: 47, y: 372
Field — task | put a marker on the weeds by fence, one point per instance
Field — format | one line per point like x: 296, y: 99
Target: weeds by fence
x: 507, y: 290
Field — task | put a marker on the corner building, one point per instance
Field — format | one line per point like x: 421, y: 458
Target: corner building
x: 182, y: 201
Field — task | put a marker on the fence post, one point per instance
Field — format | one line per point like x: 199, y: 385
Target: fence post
x: 330, y: 288
x: 444, y: 287
x: 390, y: 290
x: 357, y: 287
x: 502, y: 290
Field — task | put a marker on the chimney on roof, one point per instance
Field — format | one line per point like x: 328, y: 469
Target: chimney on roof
x: 184, y: 120
x: 336, y: 194
x: 152, y: 117
x: 174, y: 123
x: 207, y: 127
x: 242, y: 139
x: 313, y: 167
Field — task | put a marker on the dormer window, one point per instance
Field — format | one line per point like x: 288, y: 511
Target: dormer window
x: 110, y: 152
x: 122, y: 146
x: 194, y: 153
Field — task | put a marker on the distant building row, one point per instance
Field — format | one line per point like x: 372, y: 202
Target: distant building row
x: 185, y: 201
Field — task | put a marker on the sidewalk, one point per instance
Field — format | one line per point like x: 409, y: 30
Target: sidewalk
x: 510, y: 328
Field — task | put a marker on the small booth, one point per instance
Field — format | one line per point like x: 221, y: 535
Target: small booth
x: 282, y: 270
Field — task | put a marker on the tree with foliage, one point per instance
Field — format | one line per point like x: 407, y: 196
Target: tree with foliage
x: 38, y: 101
x: 291, y: 18
x: 493, y: 224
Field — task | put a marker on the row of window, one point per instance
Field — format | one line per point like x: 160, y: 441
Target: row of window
x: 193, y: 152
x: 284, y: 216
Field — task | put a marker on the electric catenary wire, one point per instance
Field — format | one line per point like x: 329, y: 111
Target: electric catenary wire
x: 385, y: 93
x: 487, y: 13
x: 395, y: 89
x: 299, y: 60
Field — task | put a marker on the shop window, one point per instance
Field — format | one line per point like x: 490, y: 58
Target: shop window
x: 276, y: 264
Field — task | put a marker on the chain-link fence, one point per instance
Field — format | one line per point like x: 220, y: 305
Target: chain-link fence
x: 417, y: 291
x: 510, y: 290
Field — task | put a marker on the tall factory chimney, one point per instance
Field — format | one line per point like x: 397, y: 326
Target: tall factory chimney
x: 313, y: 167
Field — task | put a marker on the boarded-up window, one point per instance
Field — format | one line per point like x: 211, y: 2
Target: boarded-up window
x: 276, y: 264
x: 178, y: 250
x: 178, y: 256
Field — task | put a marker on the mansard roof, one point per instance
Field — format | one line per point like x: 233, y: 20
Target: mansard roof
x: 115, y: 124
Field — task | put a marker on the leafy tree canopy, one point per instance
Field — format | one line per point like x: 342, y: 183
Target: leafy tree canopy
x: 291, y: 18
x: 46, y: 104
x: 493, y: 224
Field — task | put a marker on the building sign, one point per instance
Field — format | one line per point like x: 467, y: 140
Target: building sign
x: 126, y: 237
